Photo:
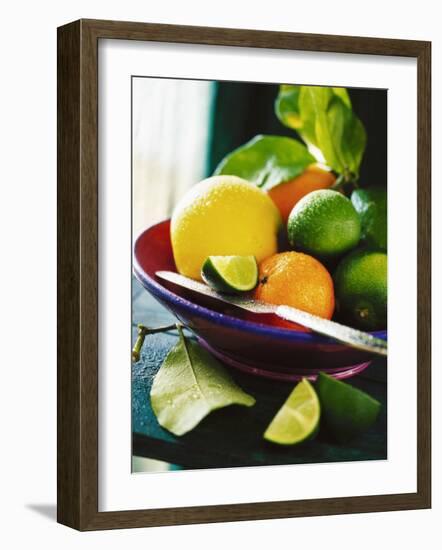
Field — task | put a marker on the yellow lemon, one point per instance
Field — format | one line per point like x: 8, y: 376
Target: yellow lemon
x: 223, y: 216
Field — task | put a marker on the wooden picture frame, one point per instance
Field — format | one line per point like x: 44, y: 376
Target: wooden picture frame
x: 78, y: 274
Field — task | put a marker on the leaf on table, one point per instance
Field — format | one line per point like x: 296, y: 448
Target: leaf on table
x: 267, y: 161
x: 323, y: 117
x: 189, y: 385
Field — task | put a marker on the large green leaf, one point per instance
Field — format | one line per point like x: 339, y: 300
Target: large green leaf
x: 324, y: 119
x: 267, y: 161
x: 287, y: 107
x: 353, y: 139
x: 189, y: 385
x: 343, y: 94
x: 314, y: 103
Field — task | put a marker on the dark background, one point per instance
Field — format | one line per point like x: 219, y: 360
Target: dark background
x: 243, y: 110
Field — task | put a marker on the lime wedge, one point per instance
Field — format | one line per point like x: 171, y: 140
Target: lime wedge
x: 298, y: 419
x: 346, y: 410
x: 230, y: 274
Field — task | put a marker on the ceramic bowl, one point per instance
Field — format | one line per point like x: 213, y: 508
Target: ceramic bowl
x: 238, y: 338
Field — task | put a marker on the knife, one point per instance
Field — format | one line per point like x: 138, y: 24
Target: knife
x: 350, y: 336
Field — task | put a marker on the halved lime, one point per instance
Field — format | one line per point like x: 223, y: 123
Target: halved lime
x: 298, y: 419
x: 346, y: 410
x: 230, y: 274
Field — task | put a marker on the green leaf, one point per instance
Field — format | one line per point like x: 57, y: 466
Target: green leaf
x: 287, y: 107
x: 313, y: 103
x: 353, y: 138
x: 189, y: 385
x: 343, y: 94
x: 267, y: 161
x: 324, y: 119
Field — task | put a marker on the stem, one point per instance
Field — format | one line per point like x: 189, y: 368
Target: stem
x: 345, y: 182
x: 138, y: 345
x: 148, y: 330
x: 143, y: 331
x: 339, y: 182
x: 351, y: 179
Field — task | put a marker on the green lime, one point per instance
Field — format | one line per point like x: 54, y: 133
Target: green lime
x: 361, y: 289
x: 230, y: 274
x: 324, y: 224
x: 298, y: 419
x: 346, y: 411
x: 371, y: 205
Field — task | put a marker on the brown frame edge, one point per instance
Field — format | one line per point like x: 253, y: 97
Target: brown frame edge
x: 77, y: 279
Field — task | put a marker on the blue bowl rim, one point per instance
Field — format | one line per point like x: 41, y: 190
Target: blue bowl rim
x: 161, y: 292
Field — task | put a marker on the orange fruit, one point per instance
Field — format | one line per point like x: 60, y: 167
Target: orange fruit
x: 287, y: 194
x: 298, y: 280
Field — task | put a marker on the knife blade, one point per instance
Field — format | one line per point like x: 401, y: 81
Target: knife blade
x: 342, y: 333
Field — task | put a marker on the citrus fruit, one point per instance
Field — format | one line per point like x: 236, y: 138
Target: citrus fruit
x: 298, y: 419
x: 324, y: 223
x: 230, y: 274
x: 298, y: 280
x: 346, y: 411
x: 371, y: 205
x: 287, y: 194
x: 222, y: 216
x: 361, y: 289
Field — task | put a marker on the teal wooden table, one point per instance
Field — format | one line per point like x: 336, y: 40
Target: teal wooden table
x: 233, y: 436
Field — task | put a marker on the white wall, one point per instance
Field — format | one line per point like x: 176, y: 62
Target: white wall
x: 27, y: 292
x: 171, y: 122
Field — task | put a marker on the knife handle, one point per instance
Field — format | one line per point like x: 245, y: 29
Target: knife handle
x: 350, y: 336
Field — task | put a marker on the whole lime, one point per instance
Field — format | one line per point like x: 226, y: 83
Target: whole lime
x: 371, y: 205
x: 222, y: 216
x: 361, y: 289
x: 324, y: 224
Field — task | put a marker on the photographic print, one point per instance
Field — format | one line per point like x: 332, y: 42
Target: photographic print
x: 222, y: 275
x: 259, y: 291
